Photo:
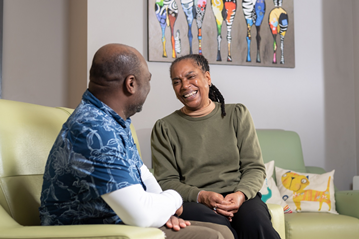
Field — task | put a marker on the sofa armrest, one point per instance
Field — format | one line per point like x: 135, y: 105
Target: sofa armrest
x: 278, y: 223
x: 82, y: 231
x: 9, y: 228
x: 347, y: 203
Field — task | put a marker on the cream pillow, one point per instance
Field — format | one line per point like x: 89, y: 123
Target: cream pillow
x: 307, y: 192
x: 269, y: 190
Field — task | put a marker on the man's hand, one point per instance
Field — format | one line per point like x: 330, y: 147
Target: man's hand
x: 232, y: 203
x: 176, y: 223
x: 179, y: 211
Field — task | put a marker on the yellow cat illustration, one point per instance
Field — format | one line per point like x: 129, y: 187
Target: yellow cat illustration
x: 297, y: 183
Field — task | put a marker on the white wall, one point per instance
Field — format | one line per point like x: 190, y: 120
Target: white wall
x: 35, y: 51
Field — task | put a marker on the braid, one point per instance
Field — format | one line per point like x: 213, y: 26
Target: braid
x: 216, y: 96
x: 202, y: 62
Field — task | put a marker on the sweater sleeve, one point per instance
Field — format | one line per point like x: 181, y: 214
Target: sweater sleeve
x: 251, y: 162
x: 164, y: 163
x: 137, y: 207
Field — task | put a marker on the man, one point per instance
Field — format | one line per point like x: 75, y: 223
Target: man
x: 94, y: 174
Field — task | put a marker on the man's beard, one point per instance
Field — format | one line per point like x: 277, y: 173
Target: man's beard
x: 139, y: 108
x: 133, y: 109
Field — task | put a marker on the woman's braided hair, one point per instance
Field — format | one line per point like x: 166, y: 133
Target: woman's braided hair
x: 214, y: 94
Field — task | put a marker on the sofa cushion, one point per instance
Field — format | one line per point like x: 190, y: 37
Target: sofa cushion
x: 306, y: 191
x: 270, y: 192
x: 321, y: 225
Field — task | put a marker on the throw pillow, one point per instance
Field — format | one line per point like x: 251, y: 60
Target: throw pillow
x: 269, y: 190
x: 307, y: 191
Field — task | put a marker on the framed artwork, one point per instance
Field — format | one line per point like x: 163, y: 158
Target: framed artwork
x: 230, y: 32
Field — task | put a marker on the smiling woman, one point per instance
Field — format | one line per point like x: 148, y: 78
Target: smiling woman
x: 209, y: 153
x: 192, y: 84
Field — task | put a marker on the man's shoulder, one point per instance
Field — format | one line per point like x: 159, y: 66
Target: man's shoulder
x: 88, y: 121
x: 89, y: 115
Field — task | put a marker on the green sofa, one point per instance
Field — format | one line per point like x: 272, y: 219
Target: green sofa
x: 284, y: 147
x: 27, y: 132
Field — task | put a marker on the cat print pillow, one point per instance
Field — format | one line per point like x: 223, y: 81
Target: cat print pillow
x: 307, y: 192
x: 269, y: 190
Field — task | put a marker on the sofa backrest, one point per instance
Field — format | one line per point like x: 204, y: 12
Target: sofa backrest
x: 284, y: 147
x: 27, y: 133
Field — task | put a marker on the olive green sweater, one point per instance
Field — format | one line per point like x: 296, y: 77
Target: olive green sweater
x: 212, y: 153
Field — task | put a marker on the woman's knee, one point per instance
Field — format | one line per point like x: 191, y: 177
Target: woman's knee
x: 253, y: 210
x: 253, y: 219
x: 200, y: 212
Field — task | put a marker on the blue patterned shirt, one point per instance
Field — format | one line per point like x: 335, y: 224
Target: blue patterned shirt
x: 94, y: 154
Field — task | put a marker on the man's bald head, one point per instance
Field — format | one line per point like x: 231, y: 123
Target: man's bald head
x: 111, y: 64
x: 119, y: 77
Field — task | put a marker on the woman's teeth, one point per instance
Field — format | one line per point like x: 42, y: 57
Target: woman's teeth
x: 190, y: 94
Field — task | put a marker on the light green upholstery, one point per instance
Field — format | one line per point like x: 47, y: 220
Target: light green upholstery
x: 27, y: 132
x: 277, y: 215
x: 284, y: 147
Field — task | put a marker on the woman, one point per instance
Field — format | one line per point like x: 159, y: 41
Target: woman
x: 208, y: 151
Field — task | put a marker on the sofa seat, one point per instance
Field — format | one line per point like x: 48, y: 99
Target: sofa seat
x: 321, y: 225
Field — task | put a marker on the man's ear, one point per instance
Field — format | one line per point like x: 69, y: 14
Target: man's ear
x: 130, y: 84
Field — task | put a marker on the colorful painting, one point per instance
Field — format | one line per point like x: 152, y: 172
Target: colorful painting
x: 231, y: 32
x: 253, y: 11
x: 166, y: 13
x: 278, y: 23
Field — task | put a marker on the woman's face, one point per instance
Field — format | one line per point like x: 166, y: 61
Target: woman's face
x: 191, y: 84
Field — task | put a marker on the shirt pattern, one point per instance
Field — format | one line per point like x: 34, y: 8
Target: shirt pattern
x: 94, y: 154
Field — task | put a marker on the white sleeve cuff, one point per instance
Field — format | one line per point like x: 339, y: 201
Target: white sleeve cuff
x: 137, y: 207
